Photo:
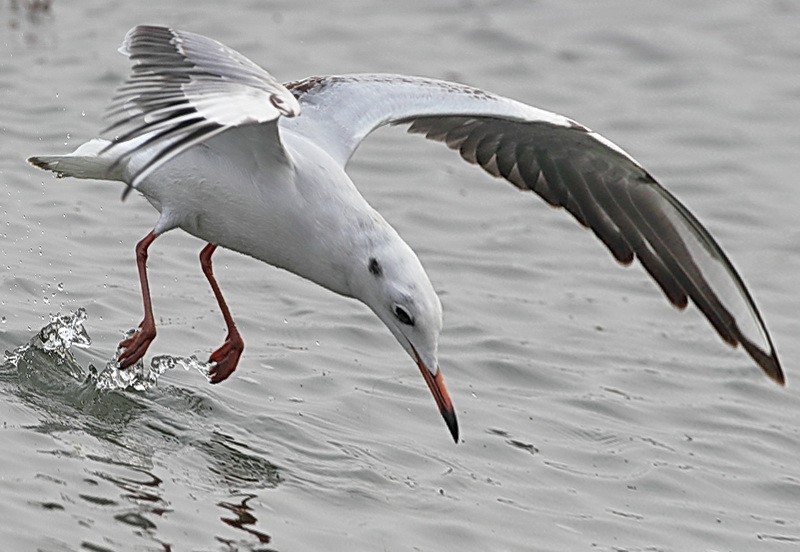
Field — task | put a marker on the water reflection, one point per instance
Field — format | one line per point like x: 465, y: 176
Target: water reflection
x: 244, y: 519
x: 236, y: 468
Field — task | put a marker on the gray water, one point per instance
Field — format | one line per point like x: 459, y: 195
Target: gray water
x: 594, y: 416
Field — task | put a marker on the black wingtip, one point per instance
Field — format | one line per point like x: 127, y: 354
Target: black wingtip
x: 773, y: 369
x: 36, y: 162
x: 768, y: 362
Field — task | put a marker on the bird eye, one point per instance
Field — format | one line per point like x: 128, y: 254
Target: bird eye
x: 402, y: 314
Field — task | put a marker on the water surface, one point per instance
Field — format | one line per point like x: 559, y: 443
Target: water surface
x: 594, y: 416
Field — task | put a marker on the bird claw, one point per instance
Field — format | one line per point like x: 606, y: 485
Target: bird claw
x: 134, y: 347
x: 225, y: 359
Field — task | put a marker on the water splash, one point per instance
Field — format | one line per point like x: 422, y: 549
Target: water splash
x: 142, y: 378
x: 56, y: 338
x: 66, y: 330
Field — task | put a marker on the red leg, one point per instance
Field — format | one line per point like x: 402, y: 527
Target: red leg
x: 226, y: 357
x: 136, y: 346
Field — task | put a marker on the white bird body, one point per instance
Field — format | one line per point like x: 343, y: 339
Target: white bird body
x: 272, y: 202
x: 226, y: 153
x: 272, y: 197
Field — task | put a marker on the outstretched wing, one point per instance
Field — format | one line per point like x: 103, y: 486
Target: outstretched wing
x: 185, y: 88
x: 567, y: 164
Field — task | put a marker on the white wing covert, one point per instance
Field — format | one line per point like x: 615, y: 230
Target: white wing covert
x: 567, y: 164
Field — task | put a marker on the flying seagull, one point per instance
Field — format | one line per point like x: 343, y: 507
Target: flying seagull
x: 228, y: 154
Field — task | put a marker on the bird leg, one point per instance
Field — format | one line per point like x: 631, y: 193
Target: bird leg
x: 226, y: 357
x: 136, y: 345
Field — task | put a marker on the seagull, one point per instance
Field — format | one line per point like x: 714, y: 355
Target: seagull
x: 232, y: 156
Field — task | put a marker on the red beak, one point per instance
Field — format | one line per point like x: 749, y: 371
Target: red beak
x: 440, y: 395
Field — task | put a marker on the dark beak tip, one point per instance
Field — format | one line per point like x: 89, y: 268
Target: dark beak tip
x: 452, y: 423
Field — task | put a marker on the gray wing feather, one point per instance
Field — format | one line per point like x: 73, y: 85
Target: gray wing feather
x: 631, y: 213
x: 565, y: 163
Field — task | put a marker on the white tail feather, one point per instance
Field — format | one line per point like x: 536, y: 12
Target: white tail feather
x: 84, y: 162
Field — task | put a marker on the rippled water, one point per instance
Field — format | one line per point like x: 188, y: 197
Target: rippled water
x: 594, y: 416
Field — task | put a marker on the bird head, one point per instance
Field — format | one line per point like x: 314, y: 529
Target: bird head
x: 396, y: 287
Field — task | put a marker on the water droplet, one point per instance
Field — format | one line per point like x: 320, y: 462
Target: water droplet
x: 60, y: 286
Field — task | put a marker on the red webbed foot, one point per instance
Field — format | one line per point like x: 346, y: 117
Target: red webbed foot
x: 226, y: 358
x: 136, y: 345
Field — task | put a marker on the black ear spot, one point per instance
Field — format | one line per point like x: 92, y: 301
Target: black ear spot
x: 375, y: 267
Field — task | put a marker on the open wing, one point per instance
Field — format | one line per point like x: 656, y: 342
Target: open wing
x: 185, y: 88
x: 567, y: 164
